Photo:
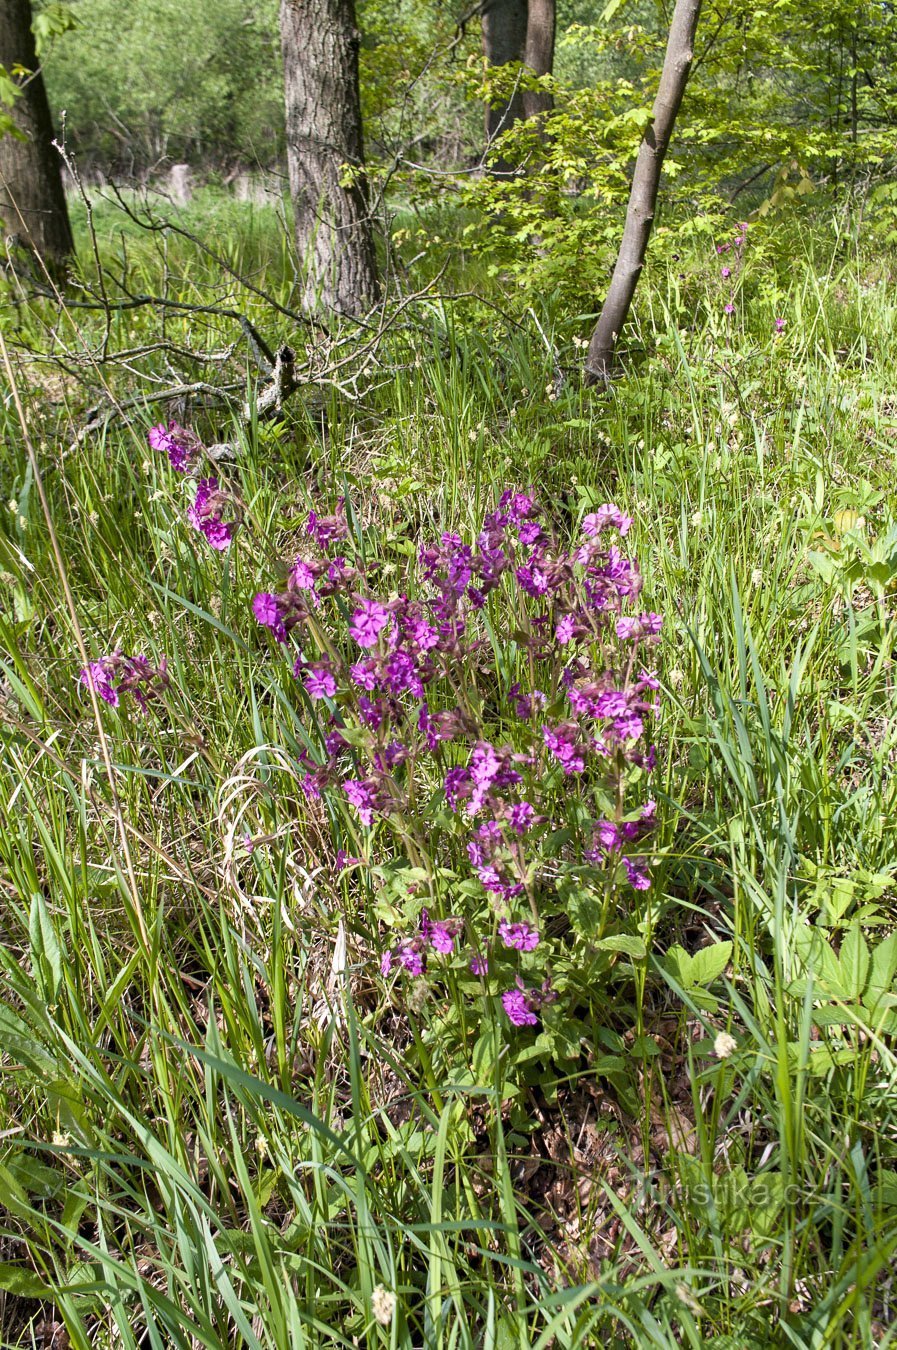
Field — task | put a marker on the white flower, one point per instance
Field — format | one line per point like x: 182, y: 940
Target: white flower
x: 383, y: 1305
x: 724, y: 1045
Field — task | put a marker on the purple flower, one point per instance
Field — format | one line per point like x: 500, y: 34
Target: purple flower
x: 533, y: 580
x: 563, y: 742
x: 366, y: 673
x: 479, y: 965
x: 205, y: 514
x: 303, y: 575
x: 780, y: 325
x: 325, y: 529
x: 458, y: 786
x: 368, y: 621
x: 370, y: 711
x: 423, y: 635
x: 268, y: 611
x: 410, y: 956
x: 566, y: 630
x: 442, y: 937
x: 521, y: 817
x: 517, y: 1008
x: 98, y: 676
x: 386, y: 963
x: 364, y: 797
x: 524, y: 704
x: 519, y: 936
x: 639, y: 879
x: 320, y: 681
x: 726, y: 272
x: 401, y: 675
x: 608, y: 834
x: 606, y: 515
x: 115, y: 675
x: 730, y: 309
x: 179, y: 445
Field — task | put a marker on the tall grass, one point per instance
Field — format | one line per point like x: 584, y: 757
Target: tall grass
x: 213, y: 1132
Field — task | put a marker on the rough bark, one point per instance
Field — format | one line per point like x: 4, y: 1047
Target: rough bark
x: 325, y: 154
x: 504, y: 40
x: 32, y: 200
x: 539, y: 53
x: 643, y: 194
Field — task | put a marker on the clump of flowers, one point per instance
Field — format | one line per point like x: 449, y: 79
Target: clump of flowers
x: 117, y: 675
x: 210, y: 505
x: 206, y: 512
x: 508, y: 793
x: 182, y: 447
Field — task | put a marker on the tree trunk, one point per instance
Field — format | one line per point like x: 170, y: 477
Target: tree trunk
x: 539, y: 53
x: 32, y: 200
x: 504, y: 40
x: 643, y: 195
x: 325, y: 155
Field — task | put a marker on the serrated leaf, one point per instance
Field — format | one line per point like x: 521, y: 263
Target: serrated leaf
x: 678, y: 963
x: 708, y: 963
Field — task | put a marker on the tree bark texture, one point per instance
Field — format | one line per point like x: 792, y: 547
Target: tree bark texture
x: 325, y: 154
x: 539, y: 53
x: 32, y: 199
x: 643, y: 194
x: 504, y: 40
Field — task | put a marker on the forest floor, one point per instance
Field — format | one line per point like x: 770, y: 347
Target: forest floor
x: 219, y: 1124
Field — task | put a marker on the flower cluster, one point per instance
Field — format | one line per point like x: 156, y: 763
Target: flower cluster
x: 439, y: 935
x: 182, y: 447
x: 185, y: 450
x: 206, y: 512
x: 116, y: 675
x: 400, y: 683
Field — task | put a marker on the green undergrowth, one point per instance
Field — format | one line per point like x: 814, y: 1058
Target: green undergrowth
x: 215, y: 1128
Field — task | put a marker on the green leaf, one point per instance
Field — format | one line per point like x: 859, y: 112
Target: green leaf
x: 585, y: 908
x: 679, y: 965
x: 24, y: 1283
x: 854, y: 964
x: 625, y: 943
x: 46, y: 953
x: 883, y: 969
x: 708, y: 963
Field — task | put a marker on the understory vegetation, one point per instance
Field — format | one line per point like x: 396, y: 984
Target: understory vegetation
x: 327, y: 1022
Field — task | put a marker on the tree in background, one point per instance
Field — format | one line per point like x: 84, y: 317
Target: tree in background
x: 517, y: 31
x: 325, y: 155
x: 643, y: 195
x: 504, y: 42
x: 32, y: 199
x: 539, y: 53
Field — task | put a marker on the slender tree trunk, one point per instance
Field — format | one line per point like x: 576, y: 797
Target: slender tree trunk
x: 643, y: 195
x: 325, y: 155
x: 504, y: 40
x: 32, y: 200
x: 539, y: 53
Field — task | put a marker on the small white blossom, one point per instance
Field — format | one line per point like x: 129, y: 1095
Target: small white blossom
x: 383, y: 1305
x: 724, y: 1045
